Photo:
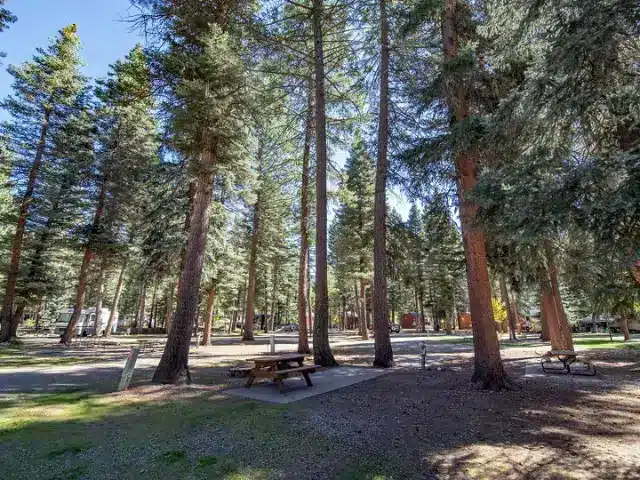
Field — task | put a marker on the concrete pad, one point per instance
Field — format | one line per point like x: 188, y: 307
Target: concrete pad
x: 296, y: 389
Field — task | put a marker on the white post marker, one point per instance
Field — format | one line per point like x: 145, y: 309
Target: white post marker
x: 272, y: 344
x: 129, y: 366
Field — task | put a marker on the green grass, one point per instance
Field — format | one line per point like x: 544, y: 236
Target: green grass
x: 18, y: 357
x: 54, y: 435
x: 589, y: 343
x: 172, y: 457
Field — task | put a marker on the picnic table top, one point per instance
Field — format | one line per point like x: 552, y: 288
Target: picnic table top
x: 561, y: 352
x: 288, y: 357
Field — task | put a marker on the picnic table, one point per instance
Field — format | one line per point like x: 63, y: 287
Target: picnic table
x: 279, y: 367
x: 566, y: 358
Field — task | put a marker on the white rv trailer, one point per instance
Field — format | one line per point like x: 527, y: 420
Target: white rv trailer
x: 86, y: 323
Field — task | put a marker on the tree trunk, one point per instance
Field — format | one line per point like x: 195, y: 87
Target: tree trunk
x: 362, y: 316
x: 251, y: 289
x: 17, y: 318
x: 6, y: 315
x: 38, y: 315
x: 383, y: 353
x: 191, y: 197
x: 544, y: 302
x: 169, y: 317
x: 321, y: 349
x: 174, y: 364
x: 303, y: 334
x: 208, y: 316
x: 624, y: 326
x: 358, y: 309
x: 116, y: 300
x: 553, y: 316
x: 422, y: 319
x: 511, y: 321
x: 84, y: 268
x: 488, y: 364
x: 154, y: 296
x: 142, y: 305
x: 100, y: 298
x: 274, y: 297
x: 452, y: 319
x: 309, y: 305
x: 559, y: 330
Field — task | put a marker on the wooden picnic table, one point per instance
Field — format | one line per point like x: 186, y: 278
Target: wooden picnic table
x: 566, y: 358
x: 279, y: 367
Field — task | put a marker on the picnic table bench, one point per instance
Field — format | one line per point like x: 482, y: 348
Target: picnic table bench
x: 279, y: 367
x: 567, y: 358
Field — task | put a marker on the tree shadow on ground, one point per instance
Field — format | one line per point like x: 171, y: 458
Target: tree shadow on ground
x: 408, y: 424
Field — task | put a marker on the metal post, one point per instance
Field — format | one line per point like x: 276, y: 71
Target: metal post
x: 423, y: 356
x: 272, y: 344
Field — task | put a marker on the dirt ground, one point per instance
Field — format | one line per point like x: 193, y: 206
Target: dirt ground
x: 407, y: 424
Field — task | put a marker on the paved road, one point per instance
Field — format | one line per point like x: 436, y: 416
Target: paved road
x: 101, y: 368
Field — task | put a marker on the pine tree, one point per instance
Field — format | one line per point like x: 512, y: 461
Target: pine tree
x: 352, y: 235
x: 43, y: 89
x: 6, y: 18
x: 383, y: 353
x: 127, y: 149
x: 58, y: 207
x: 205, y: 74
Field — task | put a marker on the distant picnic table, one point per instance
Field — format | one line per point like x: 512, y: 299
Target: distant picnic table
x: 279, y: 367
x: 566, y: 358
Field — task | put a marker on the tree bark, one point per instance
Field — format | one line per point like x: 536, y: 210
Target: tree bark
x: 362, y: 316
x: 358, y: 309
x: 559, y: 330
x: 142, y: 305
x: 38, y: 315
x: 251, y: 288
x: 169, y: 316
x: 174, y: 364
x: 422, y: 320
x: 511, y: 321
x: 544, y: 303
x: 191, y: 196
x: 6, y: 315
x: 154, y: 297
x: 624, y: 326
x: 321, y: 349
x: 17, y: 318
x: 552, y: 309
x: 303, y: 334
x: 84, y: 268
x: 208, y: 316
x: 489, y: 369
x: 100, y: 298
x: 383, y: 352
x: 274, y: 297
x: 116, y: 300
x: 309, y: 305
x: 451, y: 321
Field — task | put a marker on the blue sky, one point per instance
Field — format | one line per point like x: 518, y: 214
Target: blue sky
x: 105, y: 37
